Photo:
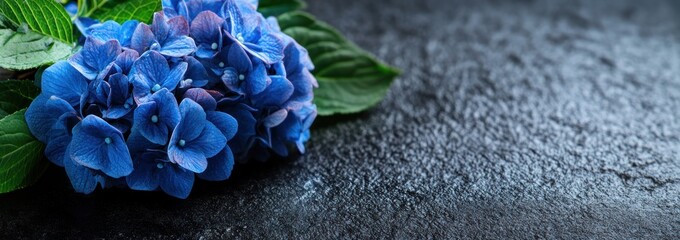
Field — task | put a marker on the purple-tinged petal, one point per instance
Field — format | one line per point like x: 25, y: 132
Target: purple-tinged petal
x: 126, y: 59
x: 201, y: 97
x: 206, y: 29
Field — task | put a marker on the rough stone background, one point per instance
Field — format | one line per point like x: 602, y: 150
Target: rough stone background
x: 526, y: 119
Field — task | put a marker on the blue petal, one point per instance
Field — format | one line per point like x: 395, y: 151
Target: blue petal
x: 160, y: 27
x: 239, y: 59
x: 224, y: 122
x: 142, y: 38
x: 105, y: 31
x: 60, y: 137
x: 206, y: 29
x: 246, y: 128
x: 83, y: 180
x: 258, y: 80
x: 210, y: 142
x: 64, y: 81
x: 275, y: 118
x: 126, y: 59
x: 100, y: 146
x: 188, y: 158
x: 219, y: 166
x: 178, y: 47
x: 196, y: 73
x: 177, y: 182
x: 126, y: 32
x: 95, y: 57
x: 146, y: 176
x: 201, y: 97
x: 276, y: 94
x: 137, y: 143
x: 270, y: 48
x: 43, y: 112
x: 192, y: 123
x: 174, y: 76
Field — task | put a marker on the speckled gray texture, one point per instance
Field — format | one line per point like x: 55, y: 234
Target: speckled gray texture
x: 528, y: 119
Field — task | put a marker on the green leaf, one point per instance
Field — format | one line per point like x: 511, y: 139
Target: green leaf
x: 119, y: 10
x: 24, y: 49
x: 21, y: 162
x: 43, y: 16
x: 350, y: 79
x: 278, y: 7
x: 15, y: 95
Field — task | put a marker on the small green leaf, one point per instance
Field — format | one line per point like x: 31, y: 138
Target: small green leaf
x: 350, y: 79
x: 43, y: 16
x: 119, y: 10
x: 25, y: 50
x: 278, y: 7
x: 21, y: 162
x: 15, y: 95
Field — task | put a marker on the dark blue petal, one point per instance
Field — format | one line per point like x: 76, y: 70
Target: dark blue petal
x: 150, y: 69
x: 177, y: 182
x: 224, y: 122
x: 146, y: 176
x: 201, y: 97
x: 196, y: 75
x: 219, y: 166
x: 100, y: 146
x: 64, y: 81
x: 246, y: 128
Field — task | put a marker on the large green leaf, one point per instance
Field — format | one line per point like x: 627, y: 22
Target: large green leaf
x: 21, y: 162
x: 350, y: 79
x: 15, y: 95
x: 119, y: 10
x: 23, y: 49
x: 43, y: 16
x: 278, y: 7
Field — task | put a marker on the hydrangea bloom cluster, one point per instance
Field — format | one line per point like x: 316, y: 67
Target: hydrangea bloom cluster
x: 151, y: 107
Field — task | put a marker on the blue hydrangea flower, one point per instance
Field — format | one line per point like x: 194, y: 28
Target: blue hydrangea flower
x: 195, y: 139
x: 252, y: 31
x: 156, y: 117
x: 99, y: 146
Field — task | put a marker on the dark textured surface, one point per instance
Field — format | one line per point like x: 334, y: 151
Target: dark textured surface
x: 531, y: 119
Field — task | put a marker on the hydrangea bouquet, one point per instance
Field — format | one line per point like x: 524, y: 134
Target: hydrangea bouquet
x: 153, y: 95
